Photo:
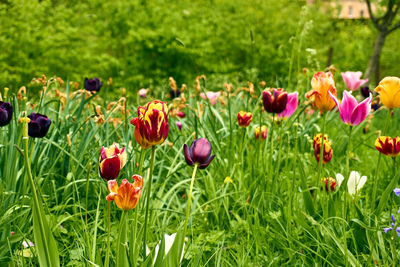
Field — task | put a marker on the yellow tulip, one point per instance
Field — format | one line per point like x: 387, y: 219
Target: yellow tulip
x: 389, y: 91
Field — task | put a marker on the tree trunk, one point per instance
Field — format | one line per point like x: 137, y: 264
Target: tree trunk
x: 373, y: 63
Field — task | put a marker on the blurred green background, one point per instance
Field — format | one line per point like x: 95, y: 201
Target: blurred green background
x: 142, y: 43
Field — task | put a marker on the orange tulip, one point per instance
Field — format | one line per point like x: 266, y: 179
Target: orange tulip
x: 321, y: 84
x: 127, y: 195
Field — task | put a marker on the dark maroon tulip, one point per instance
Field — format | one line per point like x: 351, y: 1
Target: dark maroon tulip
x: 275, y: 101
x: 39, y: 125
x: 198, y: 153
x: 365, y: 91
x: 93, y: 84
x: 175, y: 93
x: 6, y: 112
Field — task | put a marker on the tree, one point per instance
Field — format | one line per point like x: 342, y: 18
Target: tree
x: 385, y: 25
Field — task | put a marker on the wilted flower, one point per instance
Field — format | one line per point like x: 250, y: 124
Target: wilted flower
x: 322, y: 83
x: 330, y: 184
x: 353, y: 79
x: 39, y: 125
x: 244, y: 118
x: 327, y: 152
x: 264, y: 131
x: 127, y: 195
x: 151, y: 124
x: 388, y: 146
x: 198, y: 153
x: 6, y: 112
x: 179, y: 125
x: 143, y: 92
x: 93, y: 84
x: 291, y: 106
x: 112, y: 160
x: 212, y: 96
x: 350, y: 111
x: 274, y: 100
x: 355, y: 182
x: 389, y: 91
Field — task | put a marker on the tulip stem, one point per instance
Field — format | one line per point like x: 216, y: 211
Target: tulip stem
x: 107, y: 260
x: 189, y: 199
x: 153, y: 150
x: 376, y: 176
x: 321, y: 152
x: 122, y: 226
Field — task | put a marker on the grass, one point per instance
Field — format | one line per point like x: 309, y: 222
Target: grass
x: 265, y: 216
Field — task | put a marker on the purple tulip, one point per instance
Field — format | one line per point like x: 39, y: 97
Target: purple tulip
x: 365, y: 92
x: 39, y: 125
x: 6, y: 112
x: 93, y: 84
x: 397, y: 191
x: 179, y: 125
x: 353, y: 79
x: 291, y: 105
x: 198, y: 153
x: 350, y: 111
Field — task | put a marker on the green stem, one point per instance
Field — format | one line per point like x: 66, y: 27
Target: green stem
x: 25, y: 140
x: 153, y: 149
x: 321, y: 153
x: 122, y: 226
x: 376, y: 176
x: 189, y: 199
x: 107, y: 261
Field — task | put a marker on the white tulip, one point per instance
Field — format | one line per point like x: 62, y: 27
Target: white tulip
x: 355, y: 182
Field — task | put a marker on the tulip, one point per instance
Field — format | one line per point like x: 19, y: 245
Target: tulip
x: 328, y: 151
x: 39, y: 125
x: 274, y: 100
x: 168, y: 243
x: 388, y: 146
x: 179, y: 125
x: 291, y: 106
x: 212, y: 96
x: 365, y: 92
x: 244, y: 118
x: 181, y: 114
x: 350, y: 112
x: 151, y: 124
x: 6, y: 112
x: 112, y: 160
x: 389, y: 91
x: 355, y: 182
x: 143, y: 92
x: 322, y: 83
x: 353, y: 79
x: 127, y: 195
x: 263, y: 132
x: 198, y: 153
x: 330, y: 184
x: 93, y: 84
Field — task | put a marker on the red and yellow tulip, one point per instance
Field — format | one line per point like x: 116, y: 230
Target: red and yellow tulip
x: 388, y: 146
x: 244, y: 118
x: 112, y: 160
x: 327, y: 152
x: 151, y: 124
x: 127, y: 195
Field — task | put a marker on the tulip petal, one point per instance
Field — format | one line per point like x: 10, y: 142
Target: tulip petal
x: 188, y: 156
x: 109, y: 168
x: 352, y: 183
x: 361, y: 111
x: 206, y: 163
x: 339, y: 179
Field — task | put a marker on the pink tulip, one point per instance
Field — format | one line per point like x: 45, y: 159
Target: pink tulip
x: 291, y: 105
x: 179, y: 125
x: 353, y: 79
x: 212, y: 96
x: 350, y: 111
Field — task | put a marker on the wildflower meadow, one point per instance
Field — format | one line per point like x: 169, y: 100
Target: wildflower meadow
x: 299, y: 170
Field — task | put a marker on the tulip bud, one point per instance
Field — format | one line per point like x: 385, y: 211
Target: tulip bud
x: 329, y: 184
x: 93, y: 84
x: 327, y: 152
x: 388, y: 146
x: 181, y: 114
x: 112, y: 160
x: 365, y: 92
x: 274, y: 101
x: 263, y: 132
x: 179, y: 125
x: 39, y: 125
x: 6, y: 112
x: 127, y: 195
x: 198, y: 153
x: 244, y: 118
